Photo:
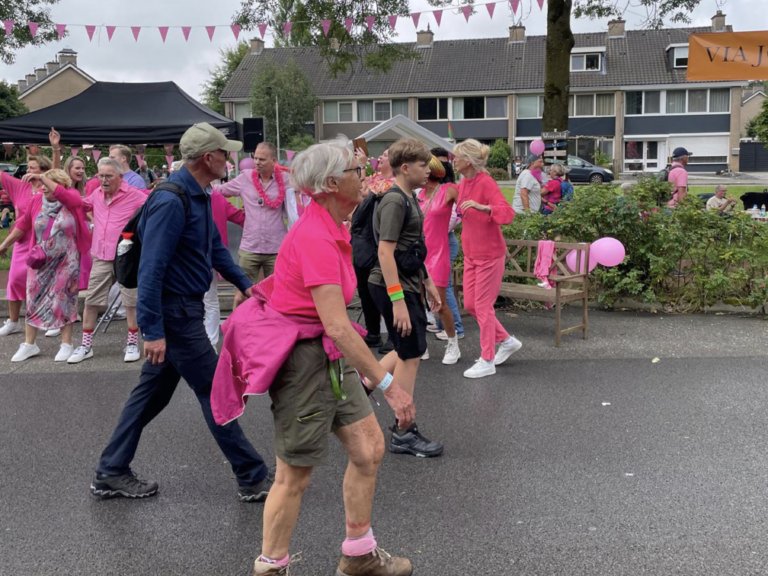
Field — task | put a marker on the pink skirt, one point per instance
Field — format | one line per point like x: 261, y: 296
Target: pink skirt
x: 16, y: 290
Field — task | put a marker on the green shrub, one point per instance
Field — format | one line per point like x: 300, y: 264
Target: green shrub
x: 498, y: 173
x: 499, y: 155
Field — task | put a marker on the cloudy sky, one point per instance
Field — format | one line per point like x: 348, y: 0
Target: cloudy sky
x: 188, y: 63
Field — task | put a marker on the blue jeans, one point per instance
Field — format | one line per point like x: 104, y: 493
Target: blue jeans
x: 188, y: 355
x: 453, y: 244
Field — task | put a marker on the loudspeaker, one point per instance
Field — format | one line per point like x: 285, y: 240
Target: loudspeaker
x: 253, y: 133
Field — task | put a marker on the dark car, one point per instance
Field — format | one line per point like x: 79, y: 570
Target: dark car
x: 579, y: 170
x: 21, y: 169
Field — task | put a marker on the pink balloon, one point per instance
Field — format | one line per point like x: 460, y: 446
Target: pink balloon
x: 608, y: 251
x: 570, y: 260
x: 246, y: 164
x: 537, y: 147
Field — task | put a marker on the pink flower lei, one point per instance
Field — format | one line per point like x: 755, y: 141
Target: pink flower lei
x: 277, y: 202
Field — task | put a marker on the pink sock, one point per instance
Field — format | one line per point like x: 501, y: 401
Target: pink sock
x: 281, y: 562
x: 359, y: 546
x: 87, y: 338
x: 133, y: 336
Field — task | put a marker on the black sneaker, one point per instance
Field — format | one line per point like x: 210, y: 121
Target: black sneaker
x: 387, y: 347
x: 413, y: 442
x: 125, y: 485
x: 372, y: 340
x: 257, y: 492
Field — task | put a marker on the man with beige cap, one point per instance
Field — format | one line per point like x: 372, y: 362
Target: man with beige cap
x: 180, y: 248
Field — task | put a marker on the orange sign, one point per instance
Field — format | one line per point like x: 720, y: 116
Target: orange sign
x: 728, y: 56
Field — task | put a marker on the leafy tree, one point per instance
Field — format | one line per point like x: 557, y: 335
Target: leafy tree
x: 10, y: 105
x: 300, y: 142
x: 758, y: 127
x: 230, y: 60
x: 296, y: 100
x: 499, y: 155
x: 22, y: 12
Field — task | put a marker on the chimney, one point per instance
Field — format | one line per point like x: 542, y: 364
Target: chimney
x: 517, y: 33
x: 616, y: 28
x: 52, y: 67
x: 718, y: 22
x: 424, y: 38
x: 31, y: 79
x: 257, y: 46
x: 67, y: 56
x: 22, y: 86
x: 41, y: 73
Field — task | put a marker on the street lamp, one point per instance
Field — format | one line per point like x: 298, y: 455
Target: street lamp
x: 269, y: 91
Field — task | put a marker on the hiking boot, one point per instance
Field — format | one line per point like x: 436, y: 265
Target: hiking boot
x: 81, y: 353
x: 442, y: 335
x: 257, y: 492
x: 10, y: 327
x: 506, y: 349
x: 125, y: 485
x: 25, y: 352
x: 452, y: 352
x: 480, y: 369
x: 377, y: 563
x: 413, y: 442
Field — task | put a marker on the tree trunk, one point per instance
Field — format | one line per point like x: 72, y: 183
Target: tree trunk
x: 557, y: 65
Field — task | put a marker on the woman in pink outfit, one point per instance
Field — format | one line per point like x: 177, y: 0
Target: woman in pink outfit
x: 436, y: 201
x: 21, y: 194
x: 483, y: 210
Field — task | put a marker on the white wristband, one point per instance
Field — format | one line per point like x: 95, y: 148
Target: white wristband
x: 386, y: 382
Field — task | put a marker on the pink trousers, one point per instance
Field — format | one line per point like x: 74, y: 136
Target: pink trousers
x: 482, y: 281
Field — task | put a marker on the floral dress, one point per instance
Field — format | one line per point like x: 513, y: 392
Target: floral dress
x: 52, y: 289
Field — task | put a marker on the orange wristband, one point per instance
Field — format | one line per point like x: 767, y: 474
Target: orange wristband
x: 394, y: 289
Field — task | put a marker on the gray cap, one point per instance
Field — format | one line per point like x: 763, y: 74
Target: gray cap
x: 532, y: 158
x: 202, y: 137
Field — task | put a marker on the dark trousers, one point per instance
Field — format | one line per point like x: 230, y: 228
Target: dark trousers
x: 188, y: 355
x: 370, y: 312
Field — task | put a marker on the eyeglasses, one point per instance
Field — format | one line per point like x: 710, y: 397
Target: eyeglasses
x: 106, y: 176
x: 358, y: 169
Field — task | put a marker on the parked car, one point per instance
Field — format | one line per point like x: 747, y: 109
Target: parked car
x: 579, y: 170
x: 21, y: 169
x: 5, y: 167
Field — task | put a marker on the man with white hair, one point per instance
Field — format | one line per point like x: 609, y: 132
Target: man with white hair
x: 180, y: 249
x: 113, y: 203
x: 719, y: 202
x: 122, y: 155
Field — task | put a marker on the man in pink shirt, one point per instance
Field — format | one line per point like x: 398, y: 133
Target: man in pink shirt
x: 113, y: 204
x: 270, y: 209
x: 678, y: 175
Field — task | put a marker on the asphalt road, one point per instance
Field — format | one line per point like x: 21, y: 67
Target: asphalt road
x: 591, y: 459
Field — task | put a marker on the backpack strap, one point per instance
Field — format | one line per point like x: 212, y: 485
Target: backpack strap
x: 406, y: 213
x: 176, y: 189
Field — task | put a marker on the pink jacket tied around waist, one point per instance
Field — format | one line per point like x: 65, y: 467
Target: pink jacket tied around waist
x: 257, y: 342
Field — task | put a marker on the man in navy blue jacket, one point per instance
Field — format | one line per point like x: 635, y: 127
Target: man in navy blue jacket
x: 180, y: 248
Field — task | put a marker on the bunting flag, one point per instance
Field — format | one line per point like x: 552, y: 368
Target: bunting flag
x: 348, y: 22
x: 139, y: 159
x: 326, y: 24
x: 287, y: 27
x: 141, y: 148
x: 168, y: 149
x: 236, y: 30
x: 169, y: 160
x: 90, y: 29
x: 262, y: 29
x: 467, y: 11
x: 74, y: 150
x: 392, y: 21
x: 136, y: 30
x: 96, y: 154
x: 541, y: 4
x: 491, y: 8
x: 450, y: 131
x: 111, y: 32
x: 33, y: 26
x: 369, y: 20
x: 415, y: 17
x: 514, y: 5
x: 289, y: 154
x: 210, y: 30
x: 186, y: 30
x: 233, y: 156
x: 60, y: 30
x: 8, y: 27
x: 8, y: 147
x: 438, y: 14
x: 163, y: 32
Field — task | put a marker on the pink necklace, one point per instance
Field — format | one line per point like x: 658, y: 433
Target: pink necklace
x: 264, y: 199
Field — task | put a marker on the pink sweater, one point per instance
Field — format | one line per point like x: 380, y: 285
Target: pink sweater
x: 481, y: 236
x: 224, y: 211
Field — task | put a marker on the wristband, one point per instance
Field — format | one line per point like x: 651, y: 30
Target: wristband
x: 386, y: 382
x: 394, y: 289
x: 397, y: 296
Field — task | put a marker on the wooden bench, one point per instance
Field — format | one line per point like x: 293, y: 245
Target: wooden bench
x: 567, y: 286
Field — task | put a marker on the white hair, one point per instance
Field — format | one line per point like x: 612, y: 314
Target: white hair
x: 311, y: 168
x: 112, y: 163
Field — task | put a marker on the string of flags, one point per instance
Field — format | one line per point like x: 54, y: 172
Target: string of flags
x: 325, y: 24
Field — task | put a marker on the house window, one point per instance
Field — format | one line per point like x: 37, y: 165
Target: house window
x: 530, y: 106
x: 365, y: 111
x: 433, y: 108
x: 496, y: 107
x: 719, y: 100
x: 604, y: 105
x: 680, y: 57
x: 400, y: 107
x: 585, y: 105
x: 346, y: 112
x: 469, y: 108
x: 697, y: 101
x: 675, y: 101
x: 633, y: 103
x: 330, y: 112
x: 637, y: 103
x: 652, y: 102
x: 382, y: 111
x: 585, y: 62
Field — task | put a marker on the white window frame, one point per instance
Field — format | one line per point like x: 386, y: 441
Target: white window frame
x: 539, y: 106
x: 593, y: 51
x: 437, y: 99
x: 663, y: 103
x: 679, y: 53
x: 388, y: 103
x: 506, y: 111
x: 338, y: 103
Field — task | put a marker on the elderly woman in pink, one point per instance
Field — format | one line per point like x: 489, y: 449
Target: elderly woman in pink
x: 484, y: 210
x: 437, y: 202
x: 21, y: 194
x: 54, y: 221
x: 295, y: 337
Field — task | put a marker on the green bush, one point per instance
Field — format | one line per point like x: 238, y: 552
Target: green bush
x: 498, y: 174
x: 499, y: 155
x: 683, y: 259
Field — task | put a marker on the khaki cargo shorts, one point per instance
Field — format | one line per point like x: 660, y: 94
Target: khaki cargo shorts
x: 100, y: 281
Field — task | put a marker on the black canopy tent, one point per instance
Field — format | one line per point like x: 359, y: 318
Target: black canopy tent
x: 109, y: 112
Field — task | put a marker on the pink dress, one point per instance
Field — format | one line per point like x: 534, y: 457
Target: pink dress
x: 437, y: 217
x: 20, y: 193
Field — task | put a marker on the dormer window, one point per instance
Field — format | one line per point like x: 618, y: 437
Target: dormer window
x: 587, y: 59
x: 679, y: 55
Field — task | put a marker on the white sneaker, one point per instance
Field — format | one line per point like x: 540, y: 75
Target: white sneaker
x: 131, y: 353
x: 442, y: 335
x: 10, y: 327
x: 81, y: 353
x: 506, y: 349
x: 425, y: 356
x: 432, y: 327
x: 452, y: 352
x: 65, y: 351
x: 25, y: 352
x: 480, y: 369
x: 53, y: 332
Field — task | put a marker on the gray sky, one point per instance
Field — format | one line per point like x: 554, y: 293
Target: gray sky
x: 188, y: 63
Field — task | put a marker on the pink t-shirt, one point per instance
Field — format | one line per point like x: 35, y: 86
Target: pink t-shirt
x: 316, y: 251
x: 437, y: 217
x: 678, y: 176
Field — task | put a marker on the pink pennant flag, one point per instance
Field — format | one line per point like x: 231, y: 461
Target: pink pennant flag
x: 233, y: 156
x: 348, y: 22
x: 140, y: 159
x: 33, y: 26
x: 415, y: 17
x: 90, y: 29
x: 8, y: 27
x: 111, y: 32
x: 74, y: 150
x: 392, y: 21
x: 169, y: 160
x: 326, y: 27
x: 467, y: 11
x: 236, y: 30
x: 186, y: 30
x: 262, y: 29
x: 438, y: 14
x: 374, y: 164
x: 60, y: 29
x: 369, y: 20
x: 163, y: 32
x: 210, y: 30
x: 8, y: 147
x: 514, y: 4
x: 168, y: 148
x: 289, y: 154
x: 491, y: 7
x: 136, y: 30
x: 96, y: 154
x: 287, y: 27
x: 541, y: 4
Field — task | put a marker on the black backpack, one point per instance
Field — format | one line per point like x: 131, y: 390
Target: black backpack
x: 365, y: 242
x: 127, y: 264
